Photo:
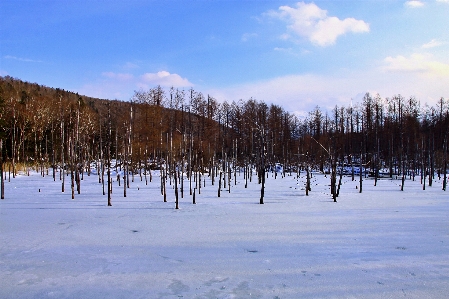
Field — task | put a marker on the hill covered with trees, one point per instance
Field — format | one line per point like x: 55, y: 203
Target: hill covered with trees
x: 175, y: 128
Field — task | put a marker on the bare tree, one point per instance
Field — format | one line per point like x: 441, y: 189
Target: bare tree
x: 109, y: 141
x: 2, y: 183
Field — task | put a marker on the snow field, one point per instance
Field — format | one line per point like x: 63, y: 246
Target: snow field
x: 382, y: 243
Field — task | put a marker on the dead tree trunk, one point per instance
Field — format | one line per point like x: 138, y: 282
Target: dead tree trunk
x: 340, y: 179
x: 219, y: 183
x: 164, y: 182
x: 403, y: 178
x: 53, y: 152
x: 72, y: 166
x: 125, y: 159
x: 182, y: 176
x: 62, y: 152
x: 361, y: 169
x: 307, y: 180
x: 2, y: 183
x: 445, y: 165
x: 262, y: 165
x: 334, y: 179
x: 109, y: 156
x: 176, y: 187
x: 431, y: 161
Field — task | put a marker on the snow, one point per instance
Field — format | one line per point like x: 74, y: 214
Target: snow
x: 382, y: 243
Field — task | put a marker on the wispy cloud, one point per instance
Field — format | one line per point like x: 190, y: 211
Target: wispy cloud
x: 288, y: 50
x: 419, y: 76
x: 297, y: 93
x: 292, y: 51
x: 130, y: 66
x: 248, y: 36
x: 432, y: 44
x: 165, y: 79
x: 443, y: 1
x: 416, y: 63
x: 309, y: 21
x: 112, y: 85
x: 414, y: 3
x: 20, y: 59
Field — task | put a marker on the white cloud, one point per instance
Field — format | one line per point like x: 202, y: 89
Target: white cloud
x: 121, y: 86
x: 20, y: 59
x: 432, y: 44
x: 417, y: 63
x: 414, y: 3
x: 310, y: 21
x: 165, y: 79
x: 284, y: 50
x: 295, y: 93
x: 301, y: 93
x: 162, y: 78
x: 443, y: 1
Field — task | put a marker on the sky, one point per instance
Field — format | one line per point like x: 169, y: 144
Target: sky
x: 298, y: 55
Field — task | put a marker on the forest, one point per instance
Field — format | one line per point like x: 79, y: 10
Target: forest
x: 186, y: 133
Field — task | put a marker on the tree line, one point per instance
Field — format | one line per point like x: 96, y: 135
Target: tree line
x: 184, y: 132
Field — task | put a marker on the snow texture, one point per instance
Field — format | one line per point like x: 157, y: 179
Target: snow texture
x: 382, y: 243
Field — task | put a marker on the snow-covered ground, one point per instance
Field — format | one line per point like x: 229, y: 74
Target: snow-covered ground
x: 382, y: 243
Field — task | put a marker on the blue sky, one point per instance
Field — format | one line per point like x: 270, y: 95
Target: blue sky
x: 295, y: 54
